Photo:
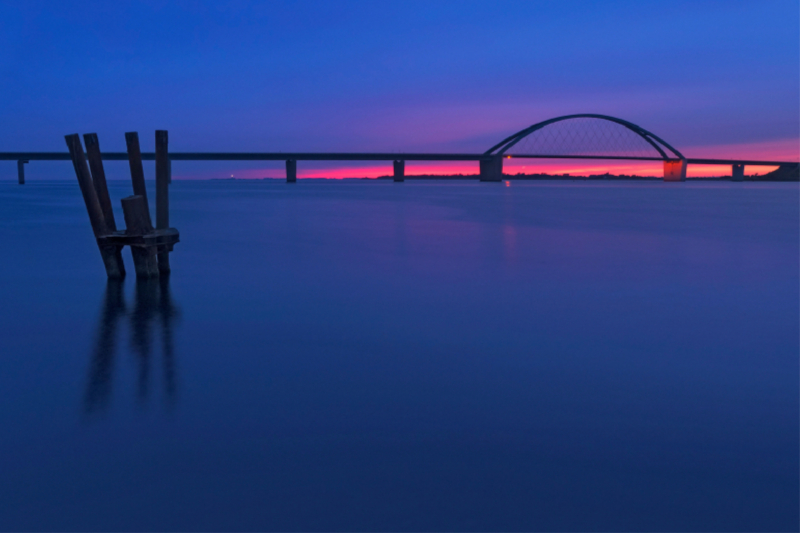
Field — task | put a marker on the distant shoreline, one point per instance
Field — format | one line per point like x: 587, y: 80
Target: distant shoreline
x: 770, y: 176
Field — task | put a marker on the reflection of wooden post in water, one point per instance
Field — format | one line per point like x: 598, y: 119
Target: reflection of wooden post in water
x: 98, y: 388
x: 145, y: 242
x: 153, y: 301
x: 167, y: 312
x: 141, y: 338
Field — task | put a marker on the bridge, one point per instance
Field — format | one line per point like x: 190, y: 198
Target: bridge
x: 582, y: 136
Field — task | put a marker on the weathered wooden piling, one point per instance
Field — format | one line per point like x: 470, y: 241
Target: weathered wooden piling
x: 137, y: 170
x: 291, y: 171
x: 149, y: 247
x: 111, y: 254
x: 162, y: 194
x: 399, y: 170
x: 137, y: 224
x: 99, y: 178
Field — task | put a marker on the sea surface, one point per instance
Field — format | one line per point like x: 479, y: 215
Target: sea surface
x: 420, y: 356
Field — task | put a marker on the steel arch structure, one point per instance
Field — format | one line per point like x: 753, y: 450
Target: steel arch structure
x: 660, y: 146
x: 604, y: 141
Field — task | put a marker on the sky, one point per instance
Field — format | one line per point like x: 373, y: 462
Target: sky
x: 714, y: 79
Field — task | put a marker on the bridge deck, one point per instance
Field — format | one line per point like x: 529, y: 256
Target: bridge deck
x: 358, y: 156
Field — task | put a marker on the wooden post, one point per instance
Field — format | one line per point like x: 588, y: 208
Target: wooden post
x: 21, y: 171
x: 99, y: 178
x: 137, y: 170
x: 291, y: 171
x: 98, y: 387
x: 112, y: 258
x: 137, y: 222
x: 399, y: 170
x: 162, y: 193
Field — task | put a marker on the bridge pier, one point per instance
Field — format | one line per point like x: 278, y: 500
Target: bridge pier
x: 491, y: 169
x: 675, y: 170
x: 291, y: 171
x: 399, y: 170
x: 21, y: 171
x: 737, y: 172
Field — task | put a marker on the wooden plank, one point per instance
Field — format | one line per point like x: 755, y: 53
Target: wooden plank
x: 159, y: 238
x: 137, y: 170
x: 162, y: 193
x: 99, y: 178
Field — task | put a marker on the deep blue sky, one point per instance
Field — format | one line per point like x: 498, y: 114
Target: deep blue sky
x: 325, y: 75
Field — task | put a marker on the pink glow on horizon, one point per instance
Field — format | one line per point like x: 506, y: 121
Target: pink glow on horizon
x: 780, y: 150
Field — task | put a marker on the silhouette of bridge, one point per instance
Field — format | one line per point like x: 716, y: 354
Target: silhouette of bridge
x: 582, y: 136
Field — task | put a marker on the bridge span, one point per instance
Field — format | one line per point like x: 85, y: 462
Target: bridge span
x: 581, y: 136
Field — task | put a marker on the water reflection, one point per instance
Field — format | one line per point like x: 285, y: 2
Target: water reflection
x: 153, y: 308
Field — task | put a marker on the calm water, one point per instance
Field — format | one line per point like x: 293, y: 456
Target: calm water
x: 417, y: 356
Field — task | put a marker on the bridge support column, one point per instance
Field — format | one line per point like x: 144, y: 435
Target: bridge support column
x: 491, y: 169
x: 291, y: 171
x: 399, y: 170
x: 737, y: 173
x: 21, y: 171
x: 675, y: 170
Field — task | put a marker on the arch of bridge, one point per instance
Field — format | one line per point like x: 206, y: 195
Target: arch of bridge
x: 659, y: 145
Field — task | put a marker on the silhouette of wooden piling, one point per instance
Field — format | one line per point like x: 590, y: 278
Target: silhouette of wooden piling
x: 137, y: 170
x: 291, y: 171
x: 149, y: 247
x: 162, y: 193
x: 99, y: 178
x: 111, y: 254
